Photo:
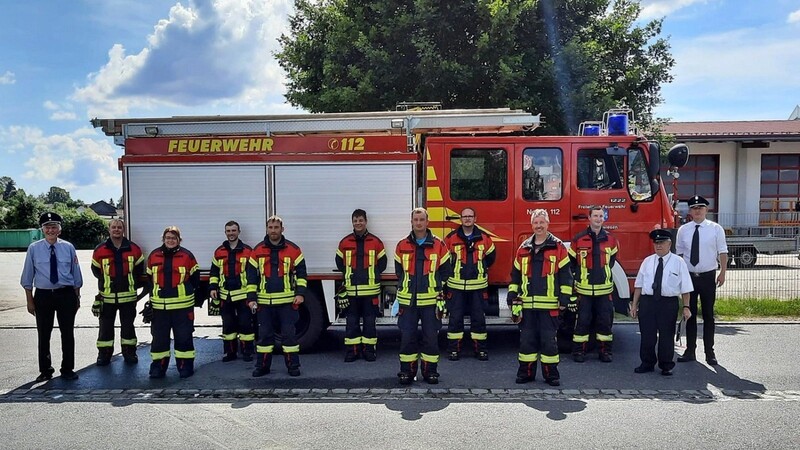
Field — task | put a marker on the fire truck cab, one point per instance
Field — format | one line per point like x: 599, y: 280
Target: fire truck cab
x: 313, y: 170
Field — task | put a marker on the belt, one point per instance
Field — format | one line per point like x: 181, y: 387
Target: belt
x: 56, y: 289
x: 700, y: 274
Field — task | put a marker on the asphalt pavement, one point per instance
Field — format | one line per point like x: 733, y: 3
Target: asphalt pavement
x: 750, y: 400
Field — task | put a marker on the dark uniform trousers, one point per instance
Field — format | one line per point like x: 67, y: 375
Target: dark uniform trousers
x: 127, y: 314
x: 705, y: 287
x: 457, y: 306
x: 181, y: 323
x: 366, y: 307
x: 51, y: 304
x: 657, y: 323
x: 287, y: 316
x: 237, y: 319
x: 537, y: 340
x: 600, y: 307
x: 410, y: 345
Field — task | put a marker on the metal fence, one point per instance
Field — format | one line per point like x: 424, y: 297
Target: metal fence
x: 772, y: 276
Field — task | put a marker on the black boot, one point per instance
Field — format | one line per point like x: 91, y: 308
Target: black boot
x: 370, y: 353
x: 129, y: 354
x: 230, y: 347
x: 247, y: 350
x: 158, y: 368
x: 454, y: 349
x: 605, y: 352
x: 526, y: 372
x: 352, y: 353
x: 429, y: 372
x: 408, y: 370
x: 479, y: 345
x: 687, y: 356
x: 579, y: 352
x: 263, y: 364
x: 185, y: 367
x: 293, y: 363
x: 104, y: 355
x: 551, y: 375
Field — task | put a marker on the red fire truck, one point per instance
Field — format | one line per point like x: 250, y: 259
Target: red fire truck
x: 313, y: 170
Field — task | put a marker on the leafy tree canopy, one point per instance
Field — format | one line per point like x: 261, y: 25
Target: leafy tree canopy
x: 569, y: 60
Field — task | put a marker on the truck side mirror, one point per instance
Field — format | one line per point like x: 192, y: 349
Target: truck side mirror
x: 678, y: 155
x: 655, y: 159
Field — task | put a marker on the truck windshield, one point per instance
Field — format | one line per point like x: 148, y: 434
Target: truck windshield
x: 638, y: 181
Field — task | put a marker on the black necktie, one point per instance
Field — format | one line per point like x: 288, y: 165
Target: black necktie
x: 657, y: 280
x: 694, y: 258
x: 53, y: 266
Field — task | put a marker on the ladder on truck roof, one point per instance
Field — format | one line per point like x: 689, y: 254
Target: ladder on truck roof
x: 500, y: 120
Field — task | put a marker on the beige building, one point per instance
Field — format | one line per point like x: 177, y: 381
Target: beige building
x: 748, y: 170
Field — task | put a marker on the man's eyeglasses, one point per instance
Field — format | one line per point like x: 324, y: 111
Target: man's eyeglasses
x: 467, y: 217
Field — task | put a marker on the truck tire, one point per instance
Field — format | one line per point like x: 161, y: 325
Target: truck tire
x: 746, y: 257
x: 310, y: 325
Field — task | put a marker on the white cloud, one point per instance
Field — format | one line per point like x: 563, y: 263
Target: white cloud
x: 207, y: 53
x: 655, y: 9
x: 63, y: 115
x: 81, y: 161
x: 8, y: 78
x: 60, y: 111
x: 740, y: 58
x: 794, y: 17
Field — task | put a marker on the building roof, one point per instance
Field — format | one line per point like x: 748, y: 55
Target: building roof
x: 749, y: 130
x: 102, y: 208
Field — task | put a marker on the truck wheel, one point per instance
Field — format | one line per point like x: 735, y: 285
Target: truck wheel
x: 746, y: 258
x: 310, y: 324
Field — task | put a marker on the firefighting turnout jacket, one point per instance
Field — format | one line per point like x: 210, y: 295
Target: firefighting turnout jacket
x: 119, y: 271
x: 174, y: 276
x: 471, y: 258
x: 362, y: 260
x: 592, y: 257
x: 229, y: 272
x: 278, y: 271
x: 422, y: 270
x: 541, y: 279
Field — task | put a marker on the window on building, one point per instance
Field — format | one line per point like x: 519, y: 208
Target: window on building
x: 780, y: 187
x: 700, y: 176
x: 542, y: 174
x: 478, y: 174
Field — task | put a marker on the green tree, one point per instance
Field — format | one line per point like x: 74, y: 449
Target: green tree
x: 7, y: 188
x: 569, y: 60
x: 84, y: 230
x: 22, y: 211
x: 56, y: 195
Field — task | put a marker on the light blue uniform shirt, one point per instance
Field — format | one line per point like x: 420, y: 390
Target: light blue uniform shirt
x: 36, y: 271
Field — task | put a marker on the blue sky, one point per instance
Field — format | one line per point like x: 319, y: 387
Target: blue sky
x: 65, y: 62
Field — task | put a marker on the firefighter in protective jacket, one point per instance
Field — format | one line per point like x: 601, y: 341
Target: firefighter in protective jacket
x: 422, y: 266
x: 230, y: 293
x: 541, y: 284
x: 472, y: 253
x: 361, y: 257
x: 118, y: 265
x: 278, y: 269
x: 174, y: 276
x: 593, y: 253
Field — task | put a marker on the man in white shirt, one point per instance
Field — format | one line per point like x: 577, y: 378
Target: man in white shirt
x: 701, y: 242
x: 662, y: 281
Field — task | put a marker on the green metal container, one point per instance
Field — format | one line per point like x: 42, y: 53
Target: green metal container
x: 19, y: 239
